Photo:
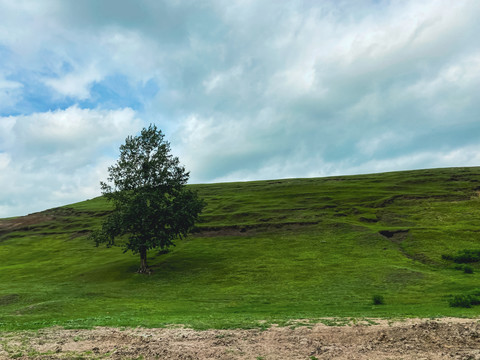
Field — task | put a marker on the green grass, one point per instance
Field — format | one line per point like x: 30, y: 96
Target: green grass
x: 265, y: 252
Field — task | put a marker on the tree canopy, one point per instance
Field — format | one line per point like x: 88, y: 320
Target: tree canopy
x: 152, y: 204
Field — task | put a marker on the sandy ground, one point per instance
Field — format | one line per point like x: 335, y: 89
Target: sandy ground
x: 411, y: 339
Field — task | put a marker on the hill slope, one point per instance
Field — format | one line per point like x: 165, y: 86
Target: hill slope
x: 266, y: 250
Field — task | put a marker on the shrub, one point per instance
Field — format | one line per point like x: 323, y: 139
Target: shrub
x: 463, y: 301
x: 464, y: 256
x: 475, y: 300
x: 466, y: 300
x: 467, y: 269
x: 447, y: 257
x: 378, y: 300
x: 467, y: 256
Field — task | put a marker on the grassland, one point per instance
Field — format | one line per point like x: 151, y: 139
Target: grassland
x: 266, y: 251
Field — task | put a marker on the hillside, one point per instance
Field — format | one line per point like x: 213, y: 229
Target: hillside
x: 264, y: 251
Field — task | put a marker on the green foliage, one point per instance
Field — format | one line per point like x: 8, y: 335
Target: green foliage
x: 461, y: 301
x: 378, y: 300
x: 467, y: 256
x: 152, y: 206
x: 447, y: 257
x: 467, y: 269
x: 262, y: 253
x: 464, y: 256
x: 465, y: 300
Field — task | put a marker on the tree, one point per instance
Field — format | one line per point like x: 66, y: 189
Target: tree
x: 152, y: 204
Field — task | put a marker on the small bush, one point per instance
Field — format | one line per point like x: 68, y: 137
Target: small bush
x: 447, y: 257
x: 467, y: 269
x: 378, y: 300
x: 467, y: 256
x: 466, y: 300
x: 463, y: 301
x: 475, y: 300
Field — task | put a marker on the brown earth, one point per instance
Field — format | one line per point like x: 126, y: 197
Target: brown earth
x: 23, y: 222
x: 410, y: 339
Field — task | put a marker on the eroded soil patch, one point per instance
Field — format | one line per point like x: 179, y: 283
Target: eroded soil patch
x: 249, y: 230
x: 396, y: 236
x: 23, y: 222
x: 411, y: 339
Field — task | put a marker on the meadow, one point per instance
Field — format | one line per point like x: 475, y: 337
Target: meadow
x: 263, y: 252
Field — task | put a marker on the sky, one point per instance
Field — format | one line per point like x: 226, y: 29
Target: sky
x: 242, y: 89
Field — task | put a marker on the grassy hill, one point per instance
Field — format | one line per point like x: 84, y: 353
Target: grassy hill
x: 263, y: 251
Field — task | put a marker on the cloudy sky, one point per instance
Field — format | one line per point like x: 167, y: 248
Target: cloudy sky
x: 243, y: 90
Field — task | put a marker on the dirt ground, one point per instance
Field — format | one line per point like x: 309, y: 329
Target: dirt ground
x: 410, y: 339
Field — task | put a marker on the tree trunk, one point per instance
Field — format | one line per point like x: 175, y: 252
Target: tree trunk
x: 144, y: 269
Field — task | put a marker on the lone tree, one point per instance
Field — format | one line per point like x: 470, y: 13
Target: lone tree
x: 152, y: 205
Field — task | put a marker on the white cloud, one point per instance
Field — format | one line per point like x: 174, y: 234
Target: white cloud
x: 130, y: 52
x: 50, y: 159
x: 70, y: 129
x: 4, y: 161
x: 76, y: 84
x: 462, y: 156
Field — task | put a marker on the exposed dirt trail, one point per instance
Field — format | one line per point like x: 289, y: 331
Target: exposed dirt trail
x: 411, y: 339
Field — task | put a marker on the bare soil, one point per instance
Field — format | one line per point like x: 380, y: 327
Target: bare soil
x: 411, y: 339
x: 22, y: 222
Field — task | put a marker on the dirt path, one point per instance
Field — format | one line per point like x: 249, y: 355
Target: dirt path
x: 411, y: 339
